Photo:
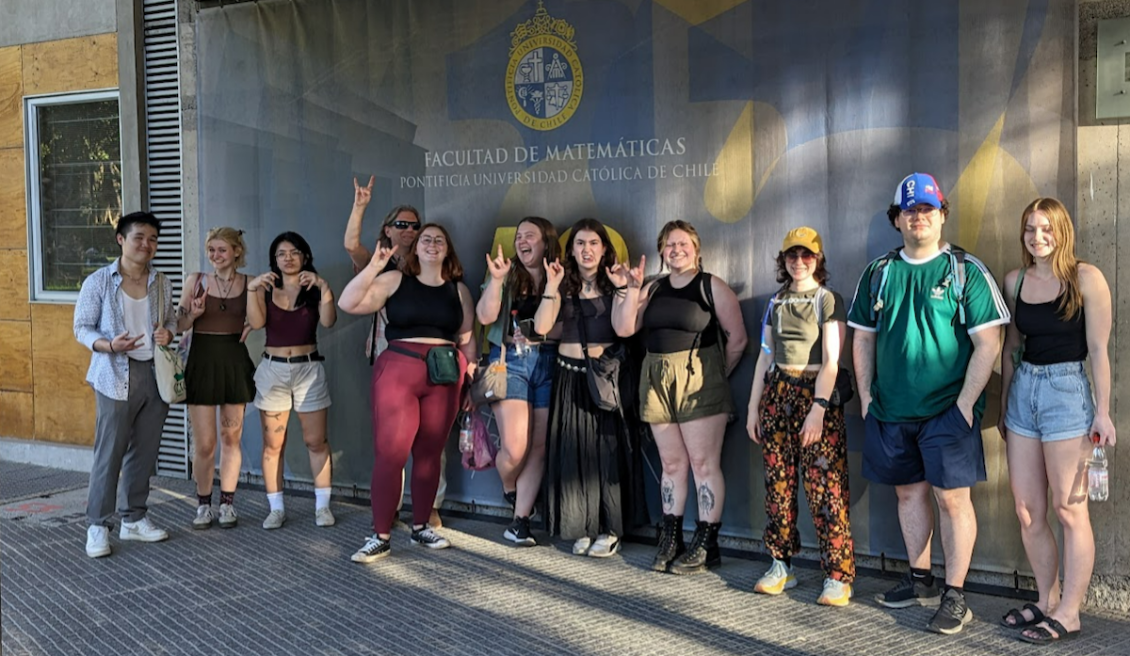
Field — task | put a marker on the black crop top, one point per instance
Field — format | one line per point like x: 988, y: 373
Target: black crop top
x: 419, y: 310
x: 675, y: 318
x: 1048, y: 337
x: 597, y: 314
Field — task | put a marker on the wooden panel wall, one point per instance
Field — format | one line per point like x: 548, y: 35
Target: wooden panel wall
x: 43, y: 394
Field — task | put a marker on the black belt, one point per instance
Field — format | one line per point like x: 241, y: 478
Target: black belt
x: 309, y: 357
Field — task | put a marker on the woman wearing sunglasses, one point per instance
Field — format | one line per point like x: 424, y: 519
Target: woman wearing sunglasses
x: 798, y: 427
x: 418, y: 380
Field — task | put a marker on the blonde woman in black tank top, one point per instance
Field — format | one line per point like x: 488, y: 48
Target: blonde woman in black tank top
x: 219, y: 378
x: 1048, y: 413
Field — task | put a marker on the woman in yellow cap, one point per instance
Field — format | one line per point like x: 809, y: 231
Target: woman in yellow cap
x: 799, y: 420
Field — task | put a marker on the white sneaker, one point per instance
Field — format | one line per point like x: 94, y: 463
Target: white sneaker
x: 204, y: 517
x: 323, y: 517
x: 778, y: 579
x: 142, y: 530
x: 605, y: 546
x: 836, y: 593
x: 228, y: 516
x: 97, y: 541
x: 275, y: 519
x: 581, y: 546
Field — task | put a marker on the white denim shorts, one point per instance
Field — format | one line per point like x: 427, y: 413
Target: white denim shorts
x: 298, y: 386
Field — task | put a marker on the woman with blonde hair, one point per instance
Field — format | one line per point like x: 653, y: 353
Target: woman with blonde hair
x: 1050, y: 415
x: 219, y: 376
x: 694, y: 336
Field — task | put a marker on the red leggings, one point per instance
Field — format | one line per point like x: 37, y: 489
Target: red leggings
x: 410, y: 415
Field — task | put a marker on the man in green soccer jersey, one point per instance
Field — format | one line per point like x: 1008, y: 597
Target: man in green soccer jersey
x: 927, y: 321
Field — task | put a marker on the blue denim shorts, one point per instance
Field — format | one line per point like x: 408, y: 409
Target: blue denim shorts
x: 1050, y: 402
x: 529, y: 378
x: 943, y: 450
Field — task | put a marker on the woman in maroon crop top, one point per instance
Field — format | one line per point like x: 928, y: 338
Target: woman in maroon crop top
x: 290, y: 301
x: 219, y: 377
x: 428, y: 307
x: 589, y: 476
x: 1061, y: 318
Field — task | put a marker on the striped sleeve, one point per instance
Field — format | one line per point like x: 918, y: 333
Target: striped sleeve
x: 984, y: 304
x: 859, y: 317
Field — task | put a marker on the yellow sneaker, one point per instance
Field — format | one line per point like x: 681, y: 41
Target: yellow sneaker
x: 778, y: 579
x: 836, y: 593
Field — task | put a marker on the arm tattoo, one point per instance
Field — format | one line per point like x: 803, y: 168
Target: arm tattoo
x: 667, y: 493
x: 705, y: 501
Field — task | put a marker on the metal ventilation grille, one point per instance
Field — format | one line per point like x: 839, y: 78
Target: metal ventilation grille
x: 163, y: 149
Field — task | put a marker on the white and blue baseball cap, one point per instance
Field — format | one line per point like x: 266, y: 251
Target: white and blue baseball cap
x: 918, y: 188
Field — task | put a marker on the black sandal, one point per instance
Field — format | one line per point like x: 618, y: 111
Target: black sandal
x: 1045, y: 637
x: 1017, y: 617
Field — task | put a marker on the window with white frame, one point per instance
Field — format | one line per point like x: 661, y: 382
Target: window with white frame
x: 74, y: 179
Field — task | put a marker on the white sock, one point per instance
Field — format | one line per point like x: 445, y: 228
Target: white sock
x: 275, y: 499
x: 321, y: 498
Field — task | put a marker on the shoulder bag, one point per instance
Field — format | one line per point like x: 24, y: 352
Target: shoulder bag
x: 167, y: 363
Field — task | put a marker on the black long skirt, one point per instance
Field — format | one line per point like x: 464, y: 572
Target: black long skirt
x: 588, y: 476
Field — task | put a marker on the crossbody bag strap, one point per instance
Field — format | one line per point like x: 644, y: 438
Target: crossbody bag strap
x: 581, y: 325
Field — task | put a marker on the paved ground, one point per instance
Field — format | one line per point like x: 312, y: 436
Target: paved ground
x: 294, y: 591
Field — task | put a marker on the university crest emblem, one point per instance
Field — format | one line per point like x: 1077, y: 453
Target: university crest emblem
x: 544, y: 80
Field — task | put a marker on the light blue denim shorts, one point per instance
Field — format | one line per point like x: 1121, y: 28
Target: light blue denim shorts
x: 529, y: 378
x: 1050, y: 402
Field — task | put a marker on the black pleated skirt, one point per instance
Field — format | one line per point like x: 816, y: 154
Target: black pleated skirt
x: 219, y: 371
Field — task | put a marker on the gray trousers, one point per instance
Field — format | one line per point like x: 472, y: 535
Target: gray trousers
x: 127, y: 438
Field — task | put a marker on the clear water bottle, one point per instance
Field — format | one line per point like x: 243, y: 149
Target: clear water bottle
x: 521, y: 344
x: 1098, y: 476
x: 466, y: 434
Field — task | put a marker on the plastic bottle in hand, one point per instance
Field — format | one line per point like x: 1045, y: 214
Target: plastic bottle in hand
x: 1098, y: 476
x: 466, y: 434
x: 521, y: 344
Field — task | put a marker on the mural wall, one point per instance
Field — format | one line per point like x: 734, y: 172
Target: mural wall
x: 746, y: 118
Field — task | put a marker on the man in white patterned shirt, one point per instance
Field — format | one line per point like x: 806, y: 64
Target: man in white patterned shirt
x: 116, y: 317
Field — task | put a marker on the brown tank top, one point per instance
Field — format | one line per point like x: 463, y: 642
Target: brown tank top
x: 223, y: 316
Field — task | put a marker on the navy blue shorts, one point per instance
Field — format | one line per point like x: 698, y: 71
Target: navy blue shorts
x: 943, y: 450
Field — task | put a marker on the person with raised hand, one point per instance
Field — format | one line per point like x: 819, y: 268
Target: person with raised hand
x: 588, y: 475
x: 1050, y: 413
x: 507, y: 308
x: 291, y: 301
x: 418, y: 380
x: 219, y: 375
x: 695, y: 336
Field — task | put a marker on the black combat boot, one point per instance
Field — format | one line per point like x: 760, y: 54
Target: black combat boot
x: 671, y: 544
x: 703, y: 554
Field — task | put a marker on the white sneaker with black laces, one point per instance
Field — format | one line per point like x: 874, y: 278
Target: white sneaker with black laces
x: 429, y: 538
x: 142, y: 530
x: 375, y: 548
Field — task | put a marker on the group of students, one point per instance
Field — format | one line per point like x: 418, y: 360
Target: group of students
x: 561, y: 319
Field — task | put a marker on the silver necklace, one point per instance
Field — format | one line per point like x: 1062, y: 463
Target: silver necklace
x: 225, y: 292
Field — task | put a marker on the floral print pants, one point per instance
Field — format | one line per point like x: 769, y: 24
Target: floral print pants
x: 784, y: 406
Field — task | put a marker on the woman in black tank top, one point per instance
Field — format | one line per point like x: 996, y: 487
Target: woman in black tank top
x: 428, y: 308
x: 589, y: 476
x: 1049, y: 417
x: 684, y: 392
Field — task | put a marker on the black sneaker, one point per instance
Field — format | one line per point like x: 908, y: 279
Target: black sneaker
x: 512, y: 499
x: 519, y: 532
x: 953, y: 614
x: 428, y: 537
x: 910, y: 592
x: 374, y: 548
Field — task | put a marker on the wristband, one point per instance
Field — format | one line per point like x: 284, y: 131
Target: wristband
x: 111, y: 343
x: 549, y: 297
x: 823, y: 403
x: 621, y: 289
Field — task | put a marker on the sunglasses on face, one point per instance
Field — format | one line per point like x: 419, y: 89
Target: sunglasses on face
x: 806, y: 255
x: 405, y: 225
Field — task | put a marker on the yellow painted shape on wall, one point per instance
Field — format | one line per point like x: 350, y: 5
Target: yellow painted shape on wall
x: 64, y: 403
x: 13, y: 285
x: 11, y: 98
x: 13, y: 204
x: 729, y: 194
x: 83, y: 63
x: 972, y: 188
x: 698, y: 11
x: 16, y: 413
x: 15, y: 357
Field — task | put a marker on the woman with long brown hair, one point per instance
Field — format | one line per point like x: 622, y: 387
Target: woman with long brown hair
x: 507, y: 307
x: 1062, y: 317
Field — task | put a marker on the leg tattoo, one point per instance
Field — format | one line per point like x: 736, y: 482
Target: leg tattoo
x: 705, y: 501
x: 668, y: 495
